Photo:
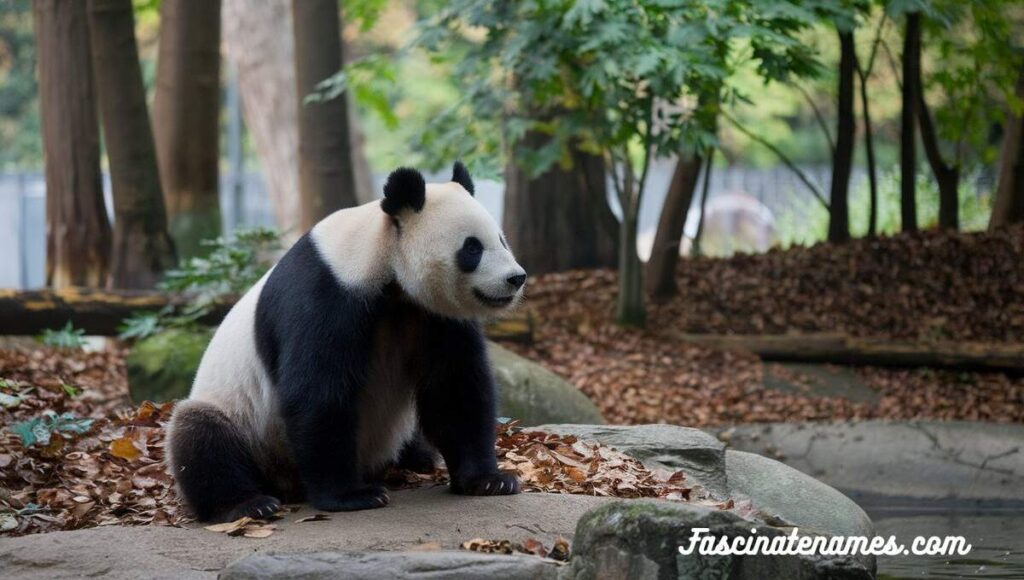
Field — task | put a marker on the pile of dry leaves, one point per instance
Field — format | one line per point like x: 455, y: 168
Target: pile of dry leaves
x: 74, y: 455
x: 925, y: 285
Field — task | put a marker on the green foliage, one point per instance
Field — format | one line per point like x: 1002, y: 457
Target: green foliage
x: 370, y: 80
x: 20, y: 127
x: 971, y: 90
x: 66, y: 338
x: 40, y: 430
x: 233, y: 265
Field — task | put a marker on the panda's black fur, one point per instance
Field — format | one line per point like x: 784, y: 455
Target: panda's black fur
x: 315, y: 338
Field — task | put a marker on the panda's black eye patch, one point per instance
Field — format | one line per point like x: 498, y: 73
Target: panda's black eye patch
x: 468, y: 257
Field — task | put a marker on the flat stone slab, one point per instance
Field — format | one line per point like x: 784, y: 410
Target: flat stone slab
x: 448, y: 565
x: 414, y: 517
x: 875, y: 460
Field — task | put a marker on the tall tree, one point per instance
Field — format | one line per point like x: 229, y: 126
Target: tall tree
x: 559, y: 220
x: 258, y: 41
x: 143, y: 248
x: 842, y: 159
x: 77, y: 230
x: 326, y: 172
x: 1008, y: 206
x: 186, y: 119
x: 908, y: 122
x: 661, y: 266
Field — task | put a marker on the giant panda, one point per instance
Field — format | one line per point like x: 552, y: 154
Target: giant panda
x: 363, y: 340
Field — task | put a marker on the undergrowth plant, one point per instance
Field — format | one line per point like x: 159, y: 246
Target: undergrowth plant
x: 233, y: 265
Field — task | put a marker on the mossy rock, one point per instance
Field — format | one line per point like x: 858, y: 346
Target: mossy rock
x: 163, y: 366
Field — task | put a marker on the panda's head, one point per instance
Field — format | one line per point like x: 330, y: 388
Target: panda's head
x: 451, y: 256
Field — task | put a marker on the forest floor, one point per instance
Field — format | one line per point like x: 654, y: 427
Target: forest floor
x: 923, y: 286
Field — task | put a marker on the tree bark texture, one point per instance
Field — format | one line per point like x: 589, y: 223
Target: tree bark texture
x: 559, y: 220
x: 1008, y: 205
x: 77, y: 229
x: 661, y: 267
x: 186, y: 120
x: 143, y: 248
x: 258, y: 41
x: 908, y: 122
x: 326, y: 173
x: 842, y: 159
x: 630, y: 308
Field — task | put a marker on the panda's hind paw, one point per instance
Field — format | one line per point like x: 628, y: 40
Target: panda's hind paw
x: 360, y: 498
x: 256, y: 507
x: 490, y: 484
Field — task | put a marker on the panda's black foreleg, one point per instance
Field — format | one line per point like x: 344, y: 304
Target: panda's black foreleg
x: 214, y: 467
x: 456, y: 406
x: 321, y: 422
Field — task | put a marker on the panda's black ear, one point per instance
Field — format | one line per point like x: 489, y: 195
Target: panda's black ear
x: 405, y: 188
x: 461, y: 176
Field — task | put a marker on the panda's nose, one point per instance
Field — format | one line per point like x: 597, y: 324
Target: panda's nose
x: 516, y: 281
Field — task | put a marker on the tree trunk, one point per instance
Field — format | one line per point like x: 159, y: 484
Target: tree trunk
x: 326, y: 173
x: 661, y: 267
x: 77, y: 230
x: 842, y: 160
x: 869, y: 150
x: 1008, y: 205
x: 559, y: 220
x: 908, y: 122
x: 709, y: 167
x: 630, y: 310
x: 186, y: 120
x: 143, y: 249
x: 258, y: 41
x: 947, y: 176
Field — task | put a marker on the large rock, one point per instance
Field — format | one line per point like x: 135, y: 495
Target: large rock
x: 699, y: 455
x: 162, y: 367
x: 450, y: 565
x: 641, y: 539
x: 535, y: 395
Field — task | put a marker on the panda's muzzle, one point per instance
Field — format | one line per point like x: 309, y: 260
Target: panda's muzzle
x: 493, y: 301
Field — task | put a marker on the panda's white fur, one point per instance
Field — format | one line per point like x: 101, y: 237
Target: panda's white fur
x: 365, y: 250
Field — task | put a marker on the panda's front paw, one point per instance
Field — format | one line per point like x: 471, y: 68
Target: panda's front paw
x: 490, y: 484
x: 350, y: 500
x: 258, y: 507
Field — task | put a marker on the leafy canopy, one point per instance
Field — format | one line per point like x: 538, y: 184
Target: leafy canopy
x: 606, y: 75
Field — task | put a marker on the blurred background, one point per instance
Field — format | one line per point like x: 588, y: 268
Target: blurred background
x: 782, y: 221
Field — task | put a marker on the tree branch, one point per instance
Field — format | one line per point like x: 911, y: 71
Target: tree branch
x: 782, y: 157
x: 819, y: 116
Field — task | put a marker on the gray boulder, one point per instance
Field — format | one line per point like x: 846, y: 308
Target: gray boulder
x: 641, y: 539
x: 535, y: 395
x: 451, y: 565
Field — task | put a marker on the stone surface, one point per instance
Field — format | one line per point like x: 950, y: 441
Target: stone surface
x: 162, y: 367
x: 535, y: 395
x: 450, y: 565
x: 640, y: 539
x: 670, y: 447
x: 414, y: 517
x: 881, y: 462
x: 794, y: 497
